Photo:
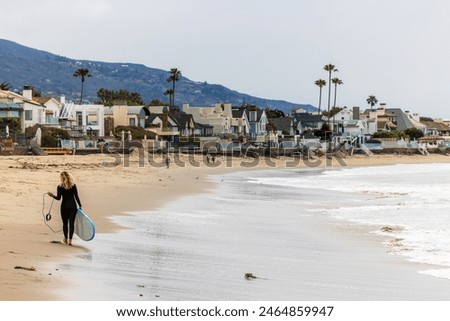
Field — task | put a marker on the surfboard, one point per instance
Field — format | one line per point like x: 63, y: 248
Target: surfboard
x: 84, y: 227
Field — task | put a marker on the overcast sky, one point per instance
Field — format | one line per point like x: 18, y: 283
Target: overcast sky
x: 397, y: 50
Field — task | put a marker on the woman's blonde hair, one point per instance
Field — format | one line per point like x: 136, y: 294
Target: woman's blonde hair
x: 66, y: 180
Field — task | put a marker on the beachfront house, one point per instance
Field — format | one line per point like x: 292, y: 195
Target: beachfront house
x: 219, y: 117
x: 185, y: 122
x: 356, y: 127
x: 384, y: 120
x: 257, y: 120
x: 281, y: 126
x: 405, y: 120
x: 304, y: 122
x: 239, y: 122
x: 52, y: 108
x: 435, y: 128
x: 78, y: 120
x: 394, y: 119
x: 32, y: 112
x: 340, y: 120
x: 9, y: 108
x: 225, y: 119
x: 162, y: 125
x: 122, y: 115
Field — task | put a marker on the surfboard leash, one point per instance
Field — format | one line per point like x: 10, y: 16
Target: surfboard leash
x: 48, y: 216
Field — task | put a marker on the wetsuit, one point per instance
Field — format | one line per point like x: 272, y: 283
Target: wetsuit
x: 68, y: 208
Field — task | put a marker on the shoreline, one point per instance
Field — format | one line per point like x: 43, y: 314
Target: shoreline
x: 105, y: 191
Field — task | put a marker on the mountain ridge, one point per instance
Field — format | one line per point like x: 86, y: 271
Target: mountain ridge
x: 53, y: 75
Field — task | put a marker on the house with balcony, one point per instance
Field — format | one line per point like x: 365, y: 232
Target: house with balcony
x: 32, y: 112
x: 52, y: 110
x: 9, y: 108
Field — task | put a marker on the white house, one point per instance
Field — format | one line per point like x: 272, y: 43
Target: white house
x: 239, y: 122
x: 83, y: 119
x: 32, y: 112
x: 339, y: 119
x: 52, y: 110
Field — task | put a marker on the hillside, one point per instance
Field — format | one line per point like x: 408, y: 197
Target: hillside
x: 52, y: 75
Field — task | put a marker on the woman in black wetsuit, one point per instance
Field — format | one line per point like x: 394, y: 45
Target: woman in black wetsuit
x: 67, y: 190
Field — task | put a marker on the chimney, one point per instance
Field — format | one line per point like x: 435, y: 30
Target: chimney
x: 27, y: 92
x: 62, y: 100
x: 165, y: 118
x: 355, y: 113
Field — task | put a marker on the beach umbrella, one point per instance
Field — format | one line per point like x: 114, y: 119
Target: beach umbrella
x: 38, y: 136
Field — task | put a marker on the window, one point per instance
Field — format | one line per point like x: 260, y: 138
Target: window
x: 79, y: 118
x: 132, y: 122
x: 28, y: 115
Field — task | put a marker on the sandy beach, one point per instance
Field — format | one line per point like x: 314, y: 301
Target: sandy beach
x: 107, y: 188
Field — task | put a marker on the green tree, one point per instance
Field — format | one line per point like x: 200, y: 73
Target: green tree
x: 321, y: 83
x: 12, y: 122
x: 108, y: 96
x: 156, y: 102
x: 274, y: 113
x: 372, y: 101
x: 390, y: 134
x: 330, y: 68
x: 413, y: 133
x: 105, y: 96
x: 174, y: 76
x: 333, y: 111
x: 82, y: 73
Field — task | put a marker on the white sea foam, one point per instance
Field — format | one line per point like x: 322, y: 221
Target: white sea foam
x: 410, y: 201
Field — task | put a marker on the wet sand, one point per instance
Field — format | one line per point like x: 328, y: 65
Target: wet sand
x: 108, y: 191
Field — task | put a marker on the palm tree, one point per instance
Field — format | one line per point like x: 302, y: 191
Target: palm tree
x: 336, y: 81
x: 82, y: 73
x: 330, y: 68
x: 372, y: 101
x: 5, y: 86
x: 175, y: 75
x: 169, y: 92
x: 320, y: 83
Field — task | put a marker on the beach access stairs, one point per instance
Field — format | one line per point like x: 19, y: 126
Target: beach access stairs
x: 366, y: 150
x: 423, y: 150
x: 36, y: 149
